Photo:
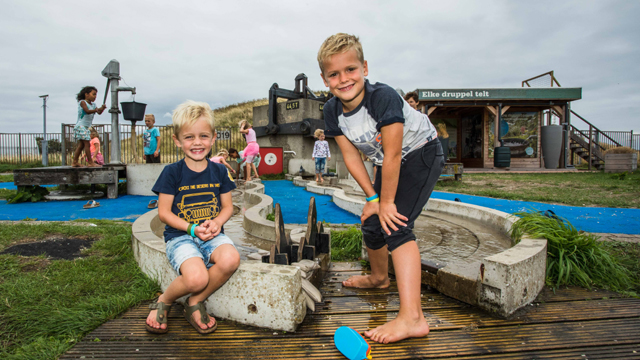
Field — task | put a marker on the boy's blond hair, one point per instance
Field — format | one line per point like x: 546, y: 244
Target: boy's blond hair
x: 318, y: 132
x: 187, y: 113
x: 338, y: 44
x: 151, y: 116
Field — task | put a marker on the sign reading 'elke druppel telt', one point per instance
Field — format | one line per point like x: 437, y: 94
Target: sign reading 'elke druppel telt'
x: 501, y: 94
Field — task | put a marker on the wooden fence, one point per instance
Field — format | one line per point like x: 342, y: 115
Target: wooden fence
x: 25, y: 148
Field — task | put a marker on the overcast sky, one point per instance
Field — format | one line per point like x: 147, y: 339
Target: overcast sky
x: 224, y: 52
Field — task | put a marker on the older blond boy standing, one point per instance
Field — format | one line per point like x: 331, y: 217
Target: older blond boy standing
x: 374, y: 119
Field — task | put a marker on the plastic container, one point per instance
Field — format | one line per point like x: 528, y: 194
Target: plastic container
x: 351, y: 344
x: 133, y: 111
x: 502, y: 156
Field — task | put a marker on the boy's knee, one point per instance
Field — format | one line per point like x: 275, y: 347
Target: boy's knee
x: 229, y: 262
x: 195, y: 282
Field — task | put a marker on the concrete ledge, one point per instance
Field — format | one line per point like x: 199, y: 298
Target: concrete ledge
x: 257, y: 206
x: 500, y: 283
x: 257, y: 294
x: 142, y: 177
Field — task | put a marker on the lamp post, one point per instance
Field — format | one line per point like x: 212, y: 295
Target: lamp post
x: 45, y: 147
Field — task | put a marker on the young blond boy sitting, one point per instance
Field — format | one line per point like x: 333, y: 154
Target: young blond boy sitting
x: 194, y: 200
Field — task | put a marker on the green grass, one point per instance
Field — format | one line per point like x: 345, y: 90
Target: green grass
x: 48, y: 305
x: 576, y: 189
x: 575, y: 257
x: 6, y: 178
x: 272, y: 176
x: 6, y: 194
x: 346, y: 245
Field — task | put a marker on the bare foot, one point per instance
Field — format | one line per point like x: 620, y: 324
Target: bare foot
x: 196, y: 317
x: 76, y: 165
x: 151, y: 319
x: 398, y: 329
x: 366, y: 282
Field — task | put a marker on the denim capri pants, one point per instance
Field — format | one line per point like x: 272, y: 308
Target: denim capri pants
x: 320, y: 162
x: 184, y: 247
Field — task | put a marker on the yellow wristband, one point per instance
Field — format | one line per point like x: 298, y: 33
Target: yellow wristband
x: 375, y: 200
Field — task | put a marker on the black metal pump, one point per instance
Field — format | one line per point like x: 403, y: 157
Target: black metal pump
x: 304, y: 127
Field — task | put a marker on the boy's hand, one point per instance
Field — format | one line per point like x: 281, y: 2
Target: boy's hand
x: 370, y: 208
x: 389, y: 217
x: 202, y: 231
x: 213, y: 228
x: 156, y: 153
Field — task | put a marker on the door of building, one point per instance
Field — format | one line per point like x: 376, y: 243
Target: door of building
x: 470, y: 139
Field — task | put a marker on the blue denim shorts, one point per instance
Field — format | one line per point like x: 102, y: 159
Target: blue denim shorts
x: 320, y: 162
x: 184, y: 247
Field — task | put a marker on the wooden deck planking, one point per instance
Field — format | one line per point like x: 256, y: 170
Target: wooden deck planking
x: 464, y: 342
x: 571, y: 323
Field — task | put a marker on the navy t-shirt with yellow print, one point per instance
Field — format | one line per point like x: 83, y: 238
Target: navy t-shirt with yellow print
x: 196, y: 195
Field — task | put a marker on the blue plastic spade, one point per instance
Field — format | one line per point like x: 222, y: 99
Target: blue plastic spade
x: 351, y: 344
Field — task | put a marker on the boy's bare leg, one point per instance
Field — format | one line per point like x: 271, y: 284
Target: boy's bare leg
x: 194, y: 278
x: 379, y: 278
x: 410, y: 321
x: 226, y: 260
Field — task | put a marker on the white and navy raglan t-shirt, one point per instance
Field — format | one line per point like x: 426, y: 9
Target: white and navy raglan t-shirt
x: 381, y: 106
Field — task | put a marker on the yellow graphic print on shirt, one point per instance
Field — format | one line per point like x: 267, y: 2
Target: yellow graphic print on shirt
x: 199, y: 211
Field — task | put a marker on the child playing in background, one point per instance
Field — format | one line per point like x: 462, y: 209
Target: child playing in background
x: 151, y: 140
x: 96, y: 154
x: 374, y: 119
x: 320, y: 154
x: 221, y: 158
x: 412, y: 99
x: 86, y: 110
x: 194, y: 200
x: 252, y: 149
x: 235, y: 154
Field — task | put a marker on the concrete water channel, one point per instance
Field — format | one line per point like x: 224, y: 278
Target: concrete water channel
x: 466, y: 253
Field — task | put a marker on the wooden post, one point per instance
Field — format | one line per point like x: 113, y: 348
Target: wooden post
x: 590, y: 145
x: 63, y: 145
x: 20, y: 148
x: 107, y: 153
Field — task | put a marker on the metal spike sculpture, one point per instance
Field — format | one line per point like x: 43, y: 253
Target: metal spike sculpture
x: 314, y: 242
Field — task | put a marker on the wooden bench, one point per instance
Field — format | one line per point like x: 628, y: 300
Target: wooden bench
x: 67, y: 175
x: 455, y: 169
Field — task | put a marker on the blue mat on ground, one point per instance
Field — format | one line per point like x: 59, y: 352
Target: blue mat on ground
x: 590, y: 219
x: 294, y: 203
x: 126, y: 207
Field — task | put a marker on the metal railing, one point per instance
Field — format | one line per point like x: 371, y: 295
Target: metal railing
x: 25, y: 148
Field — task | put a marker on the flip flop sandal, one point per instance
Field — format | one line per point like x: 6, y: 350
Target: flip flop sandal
x: 91, y: 204
x: 153, y: 204
x: 204, y: 317
x: 161, y: 317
